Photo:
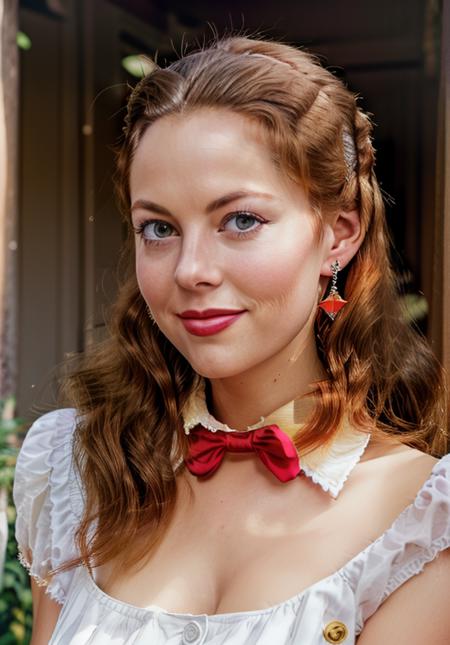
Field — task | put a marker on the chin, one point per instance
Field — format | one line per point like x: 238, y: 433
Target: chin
x: 216, y: 371
x: 218, y: 367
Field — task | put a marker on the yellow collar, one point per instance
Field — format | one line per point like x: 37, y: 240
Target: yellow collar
x: 328, y: 466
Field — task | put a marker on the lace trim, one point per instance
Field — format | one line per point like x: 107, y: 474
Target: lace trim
x: 27, y: 565
x: 328, y: 466
x: 334, y: 486
x: 55, y: 592
x: 416, y: 566
x: 416, y: 537
x: 46, y: 473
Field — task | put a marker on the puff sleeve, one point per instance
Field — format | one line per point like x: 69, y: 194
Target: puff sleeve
x: 48, y: 499
x: 418, y: 535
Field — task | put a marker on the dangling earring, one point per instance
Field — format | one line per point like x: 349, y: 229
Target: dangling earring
x: 149, y: 313
x: 333, y: 302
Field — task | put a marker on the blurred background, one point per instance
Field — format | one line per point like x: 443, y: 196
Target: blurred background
x: 67, y: 69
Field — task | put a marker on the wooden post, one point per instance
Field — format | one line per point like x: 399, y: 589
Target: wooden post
x: 8, y: 214
x: 440, y: 307
x: 8, y: 195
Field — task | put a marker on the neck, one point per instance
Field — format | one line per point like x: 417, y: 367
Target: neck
x: 241, y: 400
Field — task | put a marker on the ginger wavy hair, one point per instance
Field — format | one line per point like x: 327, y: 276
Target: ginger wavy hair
x: 130, y: 389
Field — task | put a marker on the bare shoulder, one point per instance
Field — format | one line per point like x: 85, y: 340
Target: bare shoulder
x: 391, y: 475
x: 419, y: 464
x: 406, y: 467
x: 417, y: 612
x: 378, y: 449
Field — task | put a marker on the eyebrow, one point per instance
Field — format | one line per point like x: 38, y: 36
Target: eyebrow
x: 213, y: 206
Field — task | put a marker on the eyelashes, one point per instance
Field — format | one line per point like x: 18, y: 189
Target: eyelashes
x: 140, y: 231
x: 244, y: 217
x: 156, y: 224
x: 162, y: 230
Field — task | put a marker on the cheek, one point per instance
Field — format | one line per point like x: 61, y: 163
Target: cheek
x: 152, y: 280
x: 281, y: 278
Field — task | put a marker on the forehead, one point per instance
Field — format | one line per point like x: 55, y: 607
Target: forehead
x: 208, y: 146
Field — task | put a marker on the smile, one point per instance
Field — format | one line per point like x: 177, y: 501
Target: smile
x: 211, y: 325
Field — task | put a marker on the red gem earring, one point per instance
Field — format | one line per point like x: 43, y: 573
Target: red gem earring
x: 333, y: 303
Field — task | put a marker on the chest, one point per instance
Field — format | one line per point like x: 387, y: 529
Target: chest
x: 242, y: 541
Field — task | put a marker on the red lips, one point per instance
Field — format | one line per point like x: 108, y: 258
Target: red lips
x: 209, y: 321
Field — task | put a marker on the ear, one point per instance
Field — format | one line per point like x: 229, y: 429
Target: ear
x: 344, y: 239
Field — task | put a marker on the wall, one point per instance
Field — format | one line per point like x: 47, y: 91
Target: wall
x: 72, y: 96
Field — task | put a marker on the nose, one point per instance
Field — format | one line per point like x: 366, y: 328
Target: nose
x: 198, y: 263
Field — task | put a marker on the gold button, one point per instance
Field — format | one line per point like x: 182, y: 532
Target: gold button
x: 335, y: 632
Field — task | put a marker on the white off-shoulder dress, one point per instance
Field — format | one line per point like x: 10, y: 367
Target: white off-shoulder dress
x: 49, y: 501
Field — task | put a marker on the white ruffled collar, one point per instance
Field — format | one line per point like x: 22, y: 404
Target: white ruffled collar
x: 328, y: 466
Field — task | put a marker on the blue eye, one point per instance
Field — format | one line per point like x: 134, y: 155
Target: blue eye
x: 154, y: 230
x: 244, y: 223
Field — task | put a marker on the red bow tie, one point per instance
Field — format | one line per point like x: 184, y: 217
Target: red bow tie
x: 275, y: 449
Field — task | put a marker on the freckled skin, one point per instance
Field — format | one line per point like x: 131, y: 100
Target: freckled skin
x: 275, y: 274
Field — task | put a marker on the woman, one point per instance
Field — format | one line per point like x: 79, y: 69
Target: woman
x: 255, y: 453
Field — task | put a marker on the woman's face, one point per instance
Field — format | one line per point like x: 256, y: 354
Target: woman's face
x: 219, y: 227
